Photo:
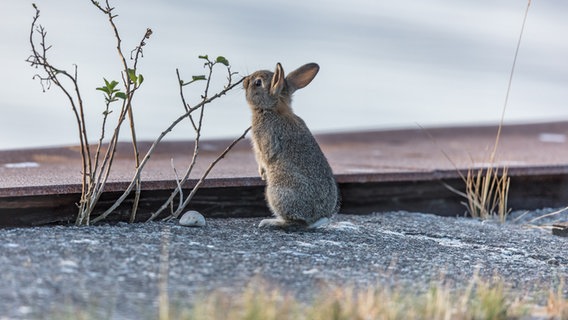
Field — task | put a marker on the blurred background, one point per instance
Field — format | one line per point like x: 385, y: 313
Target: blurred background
x: 384, y: 64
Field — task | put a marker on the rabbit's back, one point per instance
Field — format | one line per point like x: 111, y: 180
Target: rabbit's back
x: 300, y: 182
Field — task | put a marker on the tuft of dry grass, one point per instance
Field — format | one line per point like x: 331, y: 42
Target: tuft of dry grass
x: 481, y: 300
x: 255, y: 302
x: 487, y: 192
x: 557, y: 306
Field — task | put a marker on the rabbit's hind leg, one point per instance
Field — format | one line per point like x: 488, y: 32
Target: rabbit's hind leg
x: 319, y: 223
x: 279, y: 223
x: 272, y: 223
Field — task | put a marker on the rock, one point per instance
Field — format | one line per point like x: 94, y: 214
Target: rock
x: 560, y: 229
x: 192, y: 219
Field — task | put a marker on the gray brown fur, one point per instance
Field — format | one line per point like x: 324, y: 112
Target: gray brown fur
x: 300, y: 186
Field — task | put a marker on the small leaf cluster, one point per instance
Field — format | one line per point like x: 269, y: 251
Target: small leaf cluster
x: 220, y: 59
x: 112, y: 94
x: 208, y: 63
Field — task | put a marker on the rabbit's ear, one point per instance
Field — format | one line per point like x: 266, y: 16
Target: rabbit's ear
x: 278, y: 81
x: 302, y: 76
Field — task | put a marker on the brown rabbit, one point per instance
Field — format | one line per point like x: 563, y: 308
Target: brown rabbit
x: 300, y: 187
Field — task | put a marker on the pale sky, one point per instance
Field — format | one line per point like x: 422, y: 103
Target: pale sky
x: 384, y: 64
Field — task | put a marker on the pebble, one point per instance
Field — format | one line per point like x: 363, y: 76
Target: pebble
x: 192, y: 219
x: 560, y: 229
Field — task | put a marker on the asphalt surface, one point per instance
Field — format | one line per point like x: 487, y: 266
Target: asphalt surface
x: 115, y: 271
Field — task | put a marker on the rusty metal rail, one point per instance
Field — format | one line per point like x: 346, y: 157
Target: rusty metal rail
x: 376, y: 170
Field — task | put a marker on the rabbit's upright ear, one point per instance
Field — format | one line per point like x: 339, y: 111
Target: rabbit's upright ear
x: 302, y: 76
x: 278, y: 81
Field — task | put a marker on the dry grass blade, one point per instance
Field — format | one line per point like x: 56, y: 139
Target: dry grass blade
x: 557, y: 212
x: 557, y: 226
x: 163, y: 298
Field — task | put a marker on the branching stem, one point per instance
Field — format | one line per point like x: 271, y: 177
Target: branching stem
x: 144, y: 161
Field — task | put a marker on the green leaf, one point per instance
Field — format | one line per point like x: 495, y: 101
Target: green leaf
x: 132, y: 75
x: 204, y: 57
x: 121, y: 95
x: 109, y: 87
x: 193, y: 79
x: 222, y: 60
x: 103, y: 89
x: 140, y: 79
x: 112, y: 85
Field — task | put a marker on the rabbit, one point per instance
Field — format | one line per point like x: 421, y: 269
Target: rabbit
x: 300, y: 187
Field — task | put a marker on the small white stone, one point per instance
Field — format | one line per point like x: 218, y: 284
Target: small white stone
x: 192, y: 219
x: 311, y: 271
x: 24, y: 310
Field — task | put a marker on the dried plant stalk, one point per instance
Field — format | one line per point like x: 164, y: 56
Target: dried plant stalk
x: 97, y: 166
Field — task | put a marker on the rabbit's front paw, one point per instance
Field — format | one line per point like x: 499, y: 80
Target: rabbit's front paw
x: 262, y: 173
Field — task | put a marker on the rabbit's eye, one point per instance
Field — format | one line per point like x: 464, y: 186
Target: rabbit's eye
x: 257, y: 83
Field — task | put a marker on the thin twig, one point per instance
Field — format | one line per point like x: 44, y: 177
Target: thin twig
x: 193, y: 161
x: 39, y: 59
x: 128, y: 83
x: 180, y: 83
x: 206, y: 173
x: 101, y: 138
x: 131, y: 117
x: 197, y: 129
x: 130, y: 87
x: 549, y: 215
x: 178, y: 183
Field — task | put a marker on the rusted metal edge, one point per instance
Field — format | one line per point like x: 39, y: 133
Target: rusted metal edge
x: 430, y: 196
x: 409, y: 176
x: 149, y: 185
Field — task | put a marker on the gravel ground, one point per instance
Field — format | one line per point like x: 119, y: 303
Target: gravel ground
x: 115, y: 270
